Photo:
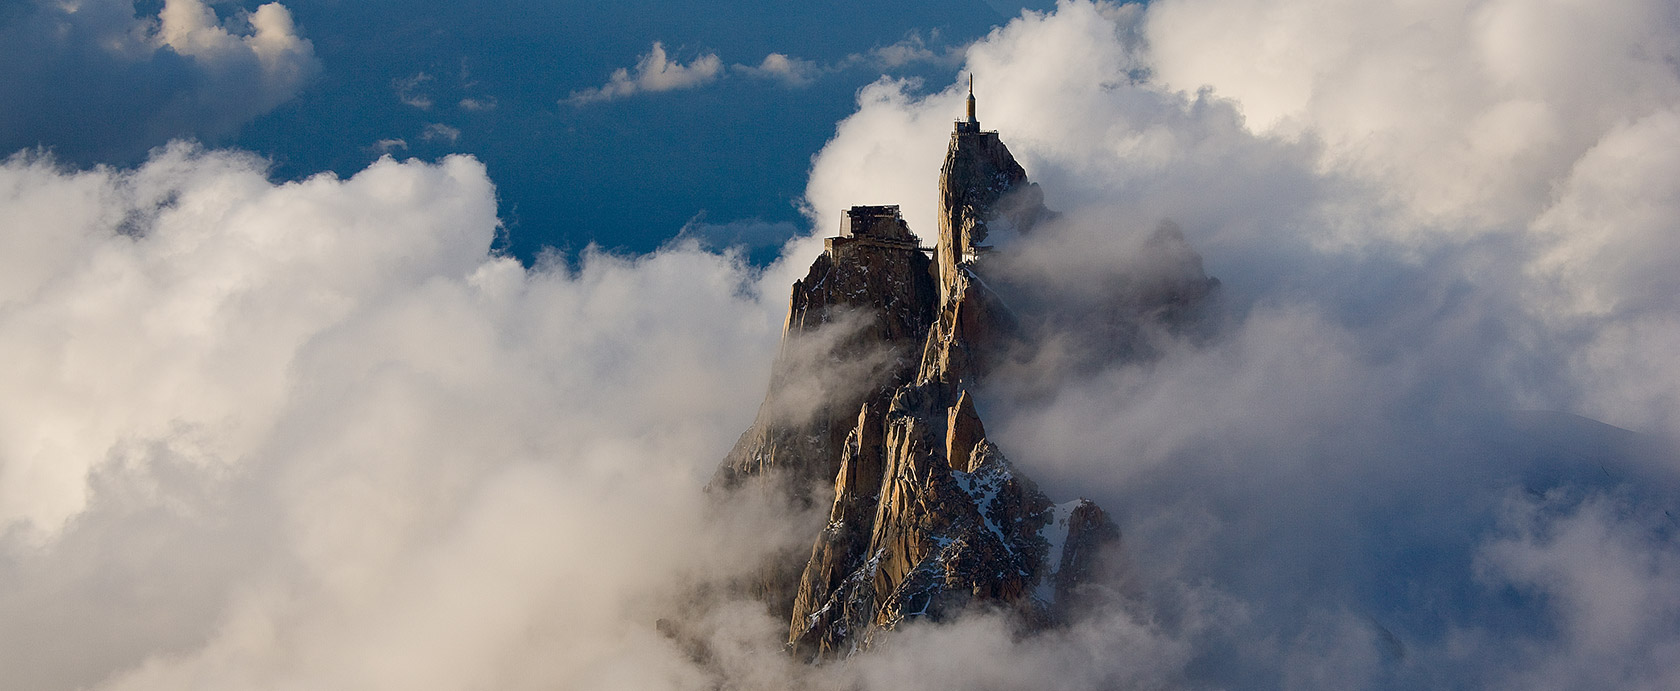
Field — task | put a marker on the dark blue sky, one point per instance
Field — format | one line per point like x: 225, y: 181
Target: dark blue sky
x: 627, y: 174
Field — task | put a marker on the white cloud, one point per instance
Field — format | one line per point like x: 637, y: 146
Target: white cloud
x: 134, y: 321
x: 1472, y: 109
x: 257, y: 424
x: 653, y: 72
x: 95, y: 82
x: 788, y: 70
x: 911, y: 50
x: 657, y: 72
x: 189, y: 27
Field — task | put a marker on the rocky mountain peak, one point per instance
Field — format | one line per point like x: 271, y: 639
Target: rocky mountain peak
x: 928, y: 517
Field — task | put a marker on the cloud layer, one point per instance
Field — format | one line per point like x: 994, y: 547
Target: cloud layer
x: 317, y: 435
x: 252, y: 425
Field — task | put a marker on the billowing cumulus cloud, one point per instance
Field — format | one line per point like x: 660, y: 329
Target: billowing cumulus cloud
x: 1467, y: 112
x: 653, y: 72
x: 1420, y: 235
x: 251, y: 426
x: 317, y: 435
x: 95, y: 82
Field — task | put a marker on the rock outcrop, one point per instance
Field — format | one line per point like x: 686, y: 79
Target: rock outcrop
x: 866, y: 302
x: 928, y: 518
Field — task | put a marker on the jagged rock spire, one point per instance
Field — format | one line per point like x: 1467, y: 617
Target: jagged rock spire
x: 928, y: 516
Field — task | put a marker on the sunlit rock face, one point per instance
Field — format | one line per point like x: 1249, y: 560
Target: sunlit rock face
x: 876, y: 394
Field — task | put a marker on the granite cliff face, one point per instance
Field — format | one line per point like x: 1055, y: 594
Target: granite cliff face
x: 928, y: 518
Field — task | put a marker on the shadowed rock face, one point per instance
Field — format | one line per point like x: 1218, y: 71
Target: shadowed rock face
x: 860, y: 303
x: 928, y: 517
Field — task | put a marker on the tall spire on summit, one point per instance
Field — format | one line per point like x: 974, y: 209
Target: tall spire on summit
x: 971, y: 119
x: 971, y: 124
